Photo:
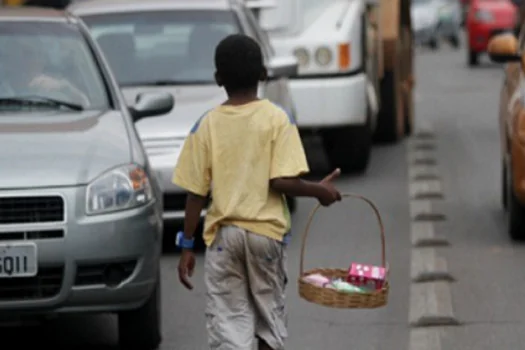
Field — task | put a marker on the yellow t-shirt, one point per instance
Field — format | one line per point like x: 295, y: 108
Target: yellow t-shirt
x: 239, y: 149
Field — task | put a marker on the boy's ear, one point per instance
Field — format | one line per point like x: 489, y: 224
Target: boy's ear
x: 264, y: 74
x: 218, y: 79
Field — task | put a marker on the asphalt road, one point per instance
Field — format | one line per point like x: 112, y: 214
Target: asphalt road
x: 461, y: 105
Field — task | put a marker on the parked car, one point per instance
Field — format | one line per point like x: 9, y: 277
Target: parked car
x: 434, y: 20
x: 425, y: 22
x: 450, y: 18
x: 80, y: 209
x: 485, y: 19
x: 505, y: 48
x: 336, y: 89
x: 464, y: 11
x: 165, y: 45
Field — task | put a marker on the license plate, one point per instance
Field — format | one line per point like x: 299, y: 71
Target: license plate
x: 18, y: 260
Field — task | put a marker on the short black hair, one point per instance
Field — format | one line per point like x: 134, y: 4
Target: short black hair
x: 239, y: 63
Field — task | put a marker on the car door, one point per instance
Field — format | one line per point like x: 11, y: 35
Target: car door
x: 274, y: 89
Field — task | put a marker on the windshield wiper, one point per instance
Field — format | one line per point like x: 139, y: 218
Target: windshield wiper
x: 41, y: 100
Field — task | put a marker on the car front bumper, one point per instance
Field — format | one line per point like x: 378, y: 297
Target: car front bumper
x: 330, y: 101
x: 102, y: 263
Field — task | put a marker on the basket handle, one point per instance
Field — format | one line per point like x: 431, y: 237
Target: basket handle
x: 345, y: 195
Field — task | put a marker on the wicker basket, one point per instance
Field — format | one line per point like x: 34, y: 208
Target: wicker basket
x: 337, y: 299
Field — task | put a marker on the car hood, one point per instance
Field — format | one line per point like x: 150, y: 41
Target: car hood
x: 52, y: 149
x: 191, y: 102
x: 164, y: 136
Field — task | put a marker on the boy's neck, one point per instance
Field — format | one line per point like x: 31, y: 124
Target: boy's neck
x: 241, y: 98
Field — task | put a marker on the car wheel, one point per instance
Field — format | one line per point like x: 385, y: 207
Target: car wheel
x: 433, y: 43
x: 515, y: 213
x: 473, y: 58
x: 140, y: 329
x: 454, y: 41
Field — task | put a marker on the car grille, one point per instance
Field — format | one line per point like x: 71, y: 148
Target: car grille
x: 45, y: 285
x: 31, y: 235
x: 30, y: 210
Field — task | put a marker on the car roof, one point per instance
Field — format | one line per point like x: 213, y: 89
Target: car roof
x: 33, y: 14
x: 122, y: 6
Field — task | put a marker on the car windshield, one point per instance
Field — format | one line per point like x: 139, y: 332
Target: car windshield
x: 292, y: 16
x: 168, y: 47
x: 48, y: 65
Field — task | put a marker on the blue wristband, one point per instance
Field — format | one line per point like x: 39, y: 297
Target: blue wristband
x: 182, y: 242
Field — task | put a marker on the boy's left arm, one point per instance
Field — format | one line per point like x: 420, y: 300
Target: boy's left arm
x: 193, y: 173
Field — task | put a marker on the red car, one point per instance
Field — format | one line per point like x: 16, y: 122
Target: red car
x: 486, y: 18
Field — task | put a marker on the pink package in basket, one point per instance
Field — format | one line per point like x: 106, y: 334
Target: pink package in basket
x: 366, y: 275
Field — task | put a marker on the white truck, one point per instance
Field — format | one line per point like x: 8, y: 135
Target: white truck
x: 355, y: 70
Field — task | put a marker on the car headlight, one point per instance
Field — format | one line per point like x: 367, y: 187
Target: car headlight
x: 302, y: 56
x: 122, y: 188
x: 483, y: 16
x: 323, y: 56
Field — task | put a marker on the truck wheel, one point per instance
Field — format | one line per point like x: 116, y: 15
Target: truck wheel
x: 390, y: 125
x: 409, y: 113
x: 473, y: 58
x: 504, y: 189
x: 140, y: 329
x: 348, y: 148
x: 408, y: 95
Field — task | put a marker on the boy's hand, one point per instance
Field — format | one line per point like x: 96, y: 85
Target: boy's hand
x: 186, y: 267
x: 331, y: 194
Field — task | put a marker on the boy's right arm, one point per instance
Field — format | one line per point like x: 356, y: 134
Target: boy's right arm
x: 289, y: 163
x: 324, y: 190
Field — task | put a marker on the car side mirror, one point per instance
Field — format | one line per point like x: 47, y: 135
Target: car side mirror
x: 282, y: 67
x: 151, y: 104
x: 504, y: 48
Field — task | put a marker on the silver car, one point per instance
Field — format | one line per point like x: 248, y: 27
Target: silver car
x: 166, y: 45
x: 80, y: 212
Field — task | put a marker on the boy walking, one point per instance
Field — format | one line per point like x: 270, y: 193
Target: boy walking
x: 248, y: 152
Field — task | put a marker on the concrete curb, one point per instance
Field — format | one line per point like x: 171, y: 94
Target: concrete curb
x: 426, y: 189
x: 431, y: 305
x: 426, y: 266
x: 424, y: 235
x: 430, y: 296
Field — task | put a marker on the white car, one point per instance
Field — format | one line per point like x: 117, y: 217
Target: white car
x: 166, y: 45
x: 433, y: 20
x: 335, y: 91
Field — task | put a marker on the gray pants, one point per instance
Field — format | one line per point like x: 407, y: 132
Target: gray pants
x: 245, y: 276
